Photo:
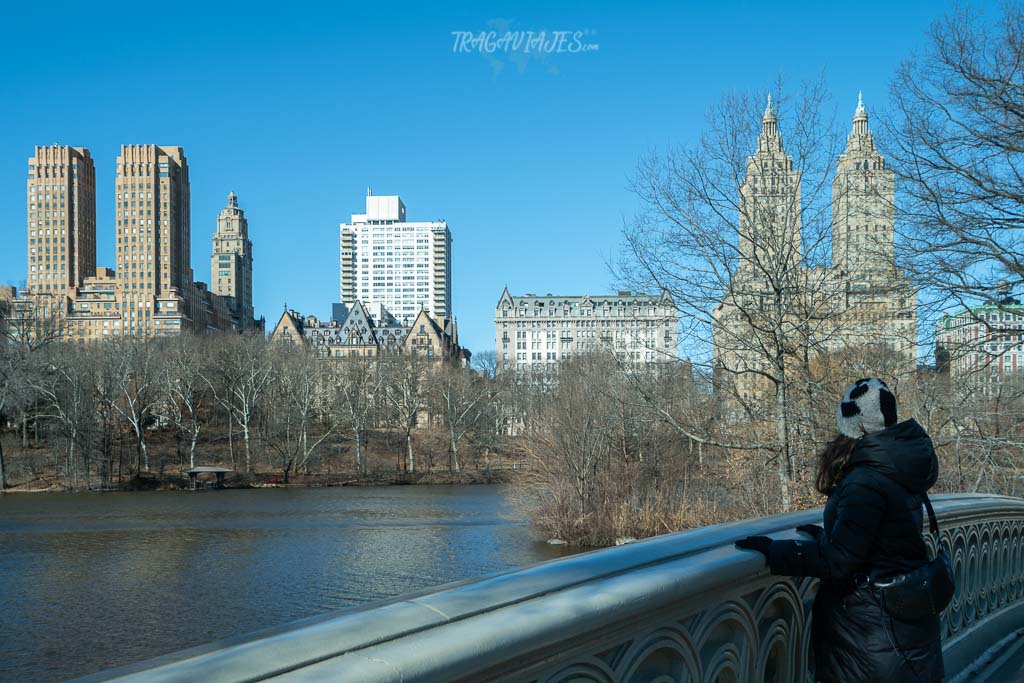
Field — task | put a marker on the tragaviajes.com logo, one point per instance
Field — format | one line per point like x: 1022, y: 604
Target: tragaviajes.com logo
x: 523, y: 42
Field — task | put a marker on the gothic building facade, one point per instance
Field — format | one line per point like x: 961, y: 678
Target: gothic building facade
x: 783, y: 306
x: 359, y: 331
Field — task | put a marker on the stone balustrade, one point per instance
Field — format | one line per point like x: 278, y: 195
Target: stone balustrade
x: 679, y: 607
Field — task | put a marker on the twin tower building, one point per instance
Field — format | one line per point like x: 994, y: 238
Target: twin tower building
x: 151, y: 290
x: 776, y: 303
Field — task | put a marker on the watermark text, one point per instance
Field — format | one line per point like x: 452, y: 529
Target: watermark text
x: 523, y: 42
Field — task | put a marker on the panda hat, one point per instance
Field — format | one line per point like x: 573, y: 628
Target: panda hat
x: 867, y: 407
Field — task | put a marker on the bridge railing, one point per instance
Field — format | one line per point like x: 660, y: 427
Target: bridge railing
x: 679, y: 607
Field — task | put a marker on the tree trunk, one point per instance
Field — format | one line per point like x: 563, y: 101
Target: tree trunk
x: 108, y: 453
x: 72, y: 474
x: 782, y: 434
x: 305, y: 448
x: 245, y: 435
x: 410, y: 463
x: 3, y: 470
x: 181, y: 457
x: 192, y: 449
x: 231, y: 441
x: 453, y: 455
x: 360, y: 469
x: 144, y: 451
x: 87, y: 464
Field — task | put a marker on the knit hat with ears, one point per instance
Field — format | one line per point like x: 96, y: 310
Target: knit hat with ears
x: 867, y: 406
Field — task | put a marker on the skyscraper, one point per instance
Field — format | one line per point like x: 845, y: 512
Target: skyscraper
x: 61, y: 219
x: 881, y: 305
x: 769, y: 225
x: 406, y: 266
x: 862, y: 206
x: 153, y: 237
x: 152, y: 291
x: 231, y: 263
x: 862, y: 301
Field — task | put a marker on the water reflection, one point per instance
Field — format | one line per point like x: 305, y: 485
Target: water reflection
x: 95, y: 581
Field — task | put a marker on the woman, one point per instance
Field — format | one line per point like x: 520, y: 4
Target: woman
x: 874, y: 473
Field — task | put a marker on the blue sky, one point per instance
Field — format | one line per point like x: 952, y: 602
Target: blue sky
x: 298, y: 107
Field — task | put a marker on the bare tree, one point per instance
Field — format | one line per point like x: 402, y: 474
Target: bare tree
x: 34, y: 320
x: 136, y: 373
x: 239, y: 376
x: 463, y: 401
x: 602, y: 465
x: 64, y: 384
x: 957, y: 143
x: 568, y: 452
x: 105, y: 367
x: 742, y: 244
x: 301, y: 398
x: 522, y: 395
x: 357, y: 383
x: 13, y: 390
x: 406, y: 392
x: 26, y: 326
x: 186, y: 393
x: 486, y: 363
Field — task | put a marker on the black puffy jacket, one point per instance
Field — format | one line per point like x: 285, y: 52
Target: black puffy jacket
x: 873, y: 522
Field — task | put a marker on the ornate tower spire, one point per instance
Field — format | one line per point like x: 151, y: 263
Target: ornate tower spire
x: 769, y: 202
x: 769, y: 141
x: 769, y: 122
x: 232, y: 200
x: 860, y: 117
x: 863, y: 192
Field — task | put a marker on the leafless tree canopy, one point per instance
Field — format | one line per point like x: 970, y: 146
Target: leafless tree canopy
x: 957, y: 143
x: 688, y: 237
x: 103, y: 415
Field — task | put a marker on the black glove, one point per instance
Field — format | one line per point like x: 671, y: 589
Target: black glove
x: 812, y: 530
x: 758, y: 543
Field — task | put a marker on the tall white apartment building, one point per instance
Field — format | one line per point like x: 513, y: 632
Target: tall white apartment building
x: 535, y: 332
x: 403, y: 265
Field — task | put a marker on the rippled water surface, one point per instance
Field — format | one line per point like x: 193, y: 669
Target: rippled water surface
x: 91, y: 581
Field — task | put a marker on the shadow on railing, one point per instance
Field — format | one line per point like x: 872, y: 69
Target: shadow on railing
x: 679, y: 607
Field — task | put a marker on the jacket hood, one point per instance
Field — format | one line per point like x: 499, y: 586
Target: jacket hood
x: 903, y: 452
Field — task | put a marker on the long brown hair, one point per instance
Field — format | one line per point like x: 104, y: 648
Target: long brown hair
x: 832, y: 462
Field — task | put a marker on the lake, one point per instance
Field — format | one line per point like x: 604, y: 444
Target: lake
x: 93, y: 581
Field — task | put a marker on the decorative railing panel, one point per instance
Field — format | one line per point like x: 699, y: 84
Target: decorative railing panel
x: 680, y: 607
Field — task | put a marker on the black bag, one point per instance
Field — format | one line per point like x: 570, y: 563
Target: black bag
x: 923, y: 592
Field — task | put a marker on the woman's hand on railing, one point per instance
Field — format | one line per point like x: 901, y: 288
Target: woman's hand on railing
x: 759, y: 543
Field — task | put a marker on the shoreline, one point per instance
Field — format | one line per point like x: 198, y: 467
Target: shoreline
x: 272, y: 481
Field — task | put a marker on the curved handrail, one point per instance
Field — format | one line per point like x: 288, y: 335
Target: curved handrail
x: 683, y: 603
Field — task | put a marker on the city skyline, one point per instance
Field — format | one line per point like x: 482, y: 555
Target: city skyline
x: 535, y: 341
x: 540, y: 194
x: 152, y: 289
